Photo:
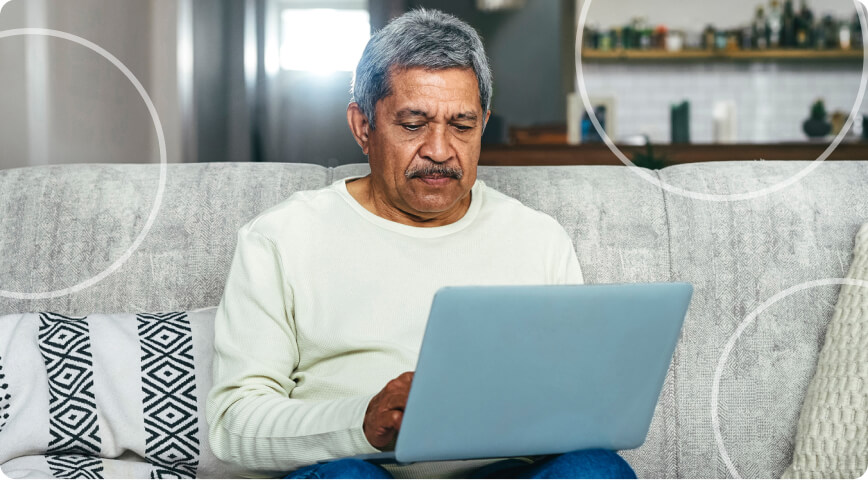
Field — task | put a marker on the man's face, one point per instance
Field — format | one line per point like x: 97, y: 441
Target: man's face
x: 425, y: 149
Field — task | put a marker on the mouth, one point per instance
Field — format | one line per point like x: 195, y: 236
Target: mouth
x: 435, y: 180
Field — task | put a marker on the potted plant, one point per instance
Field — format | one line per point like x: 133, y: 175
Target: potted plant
x: 817, y: 126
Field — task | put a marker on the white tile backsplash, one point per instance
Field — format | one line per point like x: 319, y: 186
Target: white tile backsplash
x: 772, y: 98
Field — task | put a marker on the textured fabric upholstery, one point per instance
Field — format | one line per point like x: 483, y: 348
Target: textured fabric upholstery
x: 738, y: 255
x: 63, y: 224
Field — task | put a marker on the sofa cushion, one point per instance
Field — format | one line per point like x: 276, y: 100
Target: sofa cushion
x: 737, y: 255
x: 126, y: 387
x: 832, y: 437
x: 68, y: 223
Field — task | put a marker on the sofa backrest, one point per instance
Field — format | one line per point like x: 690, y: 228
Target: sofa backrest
x: 63, y: 225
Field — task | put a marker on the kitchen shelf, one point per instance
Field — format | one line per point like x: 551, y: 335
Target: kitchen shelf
x: 722, y: 55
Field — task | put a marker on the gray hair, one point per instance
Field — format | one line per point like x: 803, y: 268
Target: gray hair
x: 423, y: 38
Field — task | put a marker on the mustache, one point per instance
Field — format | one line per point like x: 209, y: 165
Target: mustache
x: 428, y: 170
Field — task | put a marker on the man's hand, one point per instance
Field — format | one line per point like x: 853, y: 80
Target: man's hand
x: 385, y: 412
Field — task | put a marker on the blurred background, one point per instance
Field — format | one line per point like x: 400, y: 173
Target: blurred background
x: 268, y: 80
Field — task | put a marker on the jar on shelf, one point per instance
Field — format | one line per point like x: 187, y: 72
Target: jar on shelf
x: 675, y: 41
x: 659, y: 37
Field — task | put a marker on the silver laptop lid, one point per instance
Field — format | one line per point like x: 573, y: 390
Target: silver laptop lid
x: 528, y: 370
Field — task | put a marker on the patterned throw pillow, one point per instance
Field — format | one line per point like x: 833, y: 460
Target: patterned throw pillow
x: 832, y: 435
x: 106, y: 396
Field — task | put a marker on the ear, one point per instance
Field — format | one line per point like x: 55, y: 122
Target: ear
x: 359, y: 125
x: 487, y: 114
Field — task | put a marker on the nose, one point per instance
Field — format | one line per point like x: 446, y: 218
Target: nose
x: 436, y: 146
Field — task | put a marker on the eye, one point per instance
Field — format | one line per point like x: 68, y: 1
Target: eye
x: 463, y: 128
x: 412, y: 127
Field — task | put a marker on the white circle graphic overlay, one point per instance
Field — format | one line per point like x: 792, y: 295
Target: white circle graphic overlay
x: 718, y: 372
x: 643, y: 173
x: 162, y: 144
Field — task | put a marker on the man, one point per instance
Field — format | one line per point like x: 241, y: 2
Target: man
x: 324, y: 309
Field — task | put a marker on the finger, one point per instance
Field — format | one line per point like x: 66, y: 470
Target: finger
x: 400, y: 383
x: 397, y: 418
x: 384, y: 431
x: 393, y: 401
x: 381, y: 441
x: 388, y: 421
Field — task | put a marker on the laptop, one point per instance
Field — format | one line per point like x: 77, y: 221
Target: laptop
x: 509, y: 371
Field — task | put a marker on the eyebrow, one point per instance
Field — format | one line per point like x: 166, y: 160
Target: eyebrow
x: 409, y: 112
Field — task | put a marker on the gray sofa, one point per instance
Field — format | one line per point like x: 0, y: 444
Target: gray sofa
x: 63, y: 224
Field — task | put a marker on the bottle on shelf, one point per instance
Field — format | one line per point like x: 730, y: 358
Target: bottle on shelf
x: 643, y: 34
x: 856, y: 31
x: 675, y: 41
x: 788, y: 26
x: 733, y: 40
x: 627, y: 37
x: 693, y: 39
x: 827, y: 33
x: 709, y: 38
x: 605, y: 42
x: 747, y: 38
x: 659, y: 38
x: 844, y: 36
x: 591, y: 38
x: 646, y: 41
x: 775, y: 24
x: 805, y: 26
x: 820, y: 36
x: 721, y: 40
x: 760, y: 30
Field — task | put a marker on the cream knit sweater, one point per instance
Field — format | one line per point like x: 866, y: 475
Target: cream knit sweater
x: 326, y: 302
x: 832, y: 435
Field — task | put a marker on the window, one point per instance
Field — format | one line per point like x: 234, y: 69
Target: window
x: 323, y: 40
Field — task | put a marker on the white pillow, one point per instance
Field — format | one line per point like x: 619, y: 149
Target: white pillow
x: 832, y: 434
x: 106, y: 395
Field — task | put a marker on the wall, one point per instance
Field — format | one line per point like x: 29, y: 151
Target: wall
x: 524, y: 47
x: 14, y: 135
x: 163, y: 84
x: 71, y: 105
x: 772, y: 99
x: 211, y: 78
x: 312, y: 119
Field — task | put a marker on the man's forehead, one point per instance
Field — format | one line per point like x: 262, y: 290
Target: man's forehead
x: 415, y: 71
x: 452, y: 78
x: 410, y: 112
x: 420, y: 89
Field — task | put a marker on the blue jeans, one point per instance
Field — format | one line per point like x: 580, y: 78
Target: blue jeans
x: 578, y: 464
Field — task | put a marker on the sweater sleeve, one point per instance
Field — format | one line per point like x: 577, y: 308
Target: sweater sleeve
x: 253, y: 421
x: 566, y: 262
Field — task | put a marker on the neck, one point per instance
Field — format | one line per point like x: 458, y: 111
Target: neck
x: 375, y: 201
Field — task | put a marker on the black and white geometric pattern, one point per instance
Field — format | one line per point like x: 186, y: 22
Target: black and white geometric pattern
x: 5, y: 397
x: 74, y: 444
x: 169, y: 388
x: 75, y: 466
